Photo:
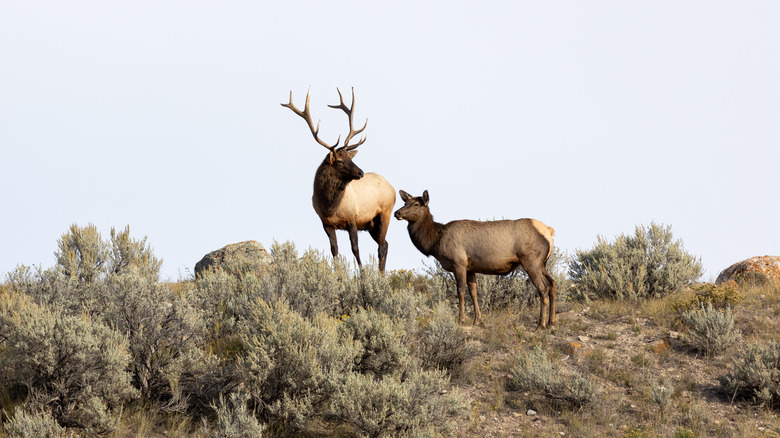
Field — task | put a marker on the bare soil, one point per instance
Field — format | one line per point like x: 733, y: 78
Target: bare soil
x: 621, y: 349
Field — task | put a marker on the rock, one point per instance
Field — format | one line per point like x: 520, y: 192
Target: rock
x: 574, y: 348
x: 235, y: 258
x: 755, y: 270
x: 531, y: 413
x: 660, y: 346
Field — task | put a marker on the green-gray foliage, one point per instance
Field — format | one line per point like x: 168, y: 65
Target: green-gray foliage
x: 380, y: 343
x: 709, y: 329
x: 536, y: 373
x: 235, y: 420
x: 130, y: 256
x: 755, y: 374
x: 309, y: 284
x: 648, y: 264
x: 442, y: 342
x: 391, y: 406
x: 73, y: 366
x: 82, y: 253
x: 39, y: 424
x: 84, y: 256
x: 290, y: 364
x: 661, y: 393
x: 369, y: 288
x: 163, y: 330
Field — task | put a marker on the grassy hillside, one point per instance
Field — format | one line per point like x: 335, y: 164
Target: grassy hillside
x: 97, y: 346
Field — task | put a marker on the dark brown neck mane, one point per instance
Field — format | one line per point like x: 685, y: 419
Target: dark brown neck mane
x: 425, y: 234
x: 328, y: 188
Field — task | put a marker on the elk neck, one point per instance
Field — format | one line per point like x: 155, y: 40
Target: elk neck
x: 425, y: 234
x: 328, y: 188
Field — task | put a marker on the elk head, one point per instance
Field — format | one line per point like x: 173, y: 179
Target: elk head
x: 339, y: 158
x: 415, y: 207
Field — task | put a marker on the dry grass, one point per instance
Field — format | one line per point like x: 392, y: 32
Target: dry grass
x: 627, y: 351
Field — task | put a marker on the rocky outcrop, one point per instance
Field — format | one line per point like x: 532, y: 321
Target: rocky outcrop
x: 236, y: 258
x: 755, y: 270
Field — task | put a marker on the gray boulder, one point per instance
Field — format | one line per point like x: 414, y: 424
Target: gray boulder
x: 755, y: 270
x: 236, y: 258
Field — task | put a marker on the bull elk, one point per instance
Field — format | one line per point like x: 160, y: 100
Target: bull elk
x: 344, y: 197
x: 467, y: 247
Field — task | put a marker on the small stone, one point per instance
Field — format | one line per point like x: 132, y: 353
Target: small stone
x: 583, y: 338
x: 660, y: 346
x: 573, y: 348
x: 531, y: 413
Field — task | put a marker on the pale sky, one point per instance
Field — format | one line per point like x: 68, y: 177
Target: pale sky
x: 593, y: 117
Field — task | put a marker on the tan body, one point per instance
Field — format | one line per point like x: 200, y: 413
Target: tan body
x: 483, y: 247
x: 364, y: 199
x: 467, y: 247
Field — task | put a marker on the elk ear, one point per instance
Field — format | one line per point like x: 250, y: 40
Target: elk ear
x: 404, y: 196
x: 351, y: 154
x: 331, y: 157
x: 425, y: 198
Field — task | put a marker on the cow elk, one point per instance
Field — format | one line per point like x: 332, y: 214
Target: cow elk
x: 344, y: 197
x: 467, y: 247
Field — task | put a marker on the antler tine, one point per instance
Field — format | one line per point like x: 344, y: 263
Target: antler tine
x: 307, y: 116
x: 352, y: 131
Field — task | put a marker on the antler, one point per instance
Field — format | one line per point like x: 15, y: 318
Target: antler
x: 307, y: 116
x: 352, y: 131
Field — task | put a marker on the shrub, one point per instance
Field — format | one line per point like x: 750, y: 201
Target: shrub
x: 163, y: 330
x: 536, y: 373
x: 369, y: 288
x: 81, y: 253
x: 442, y: 342
x: 379, y: 339
x: 391, y: 406
x: 130, y: 256
x: 719, y: 296
x: 710, y: 330
x: 648, y: 264
x: 661, y: 393
x: 755, y: 374
x: 234, y: 420
x: 291, y: 365
x: 53, y: 289
x: 309, y: 284
x: 73, y: 366
x: 26, y: 424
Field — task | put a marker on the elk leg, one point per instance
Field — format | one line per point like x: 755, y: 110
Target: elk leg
x: 552, y: 297
x: 334, y: 245
x: 353, y: 239
x: 544, y: 284
x: 460, y: 280
x: 471, y: 279
x: 378, y: 232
